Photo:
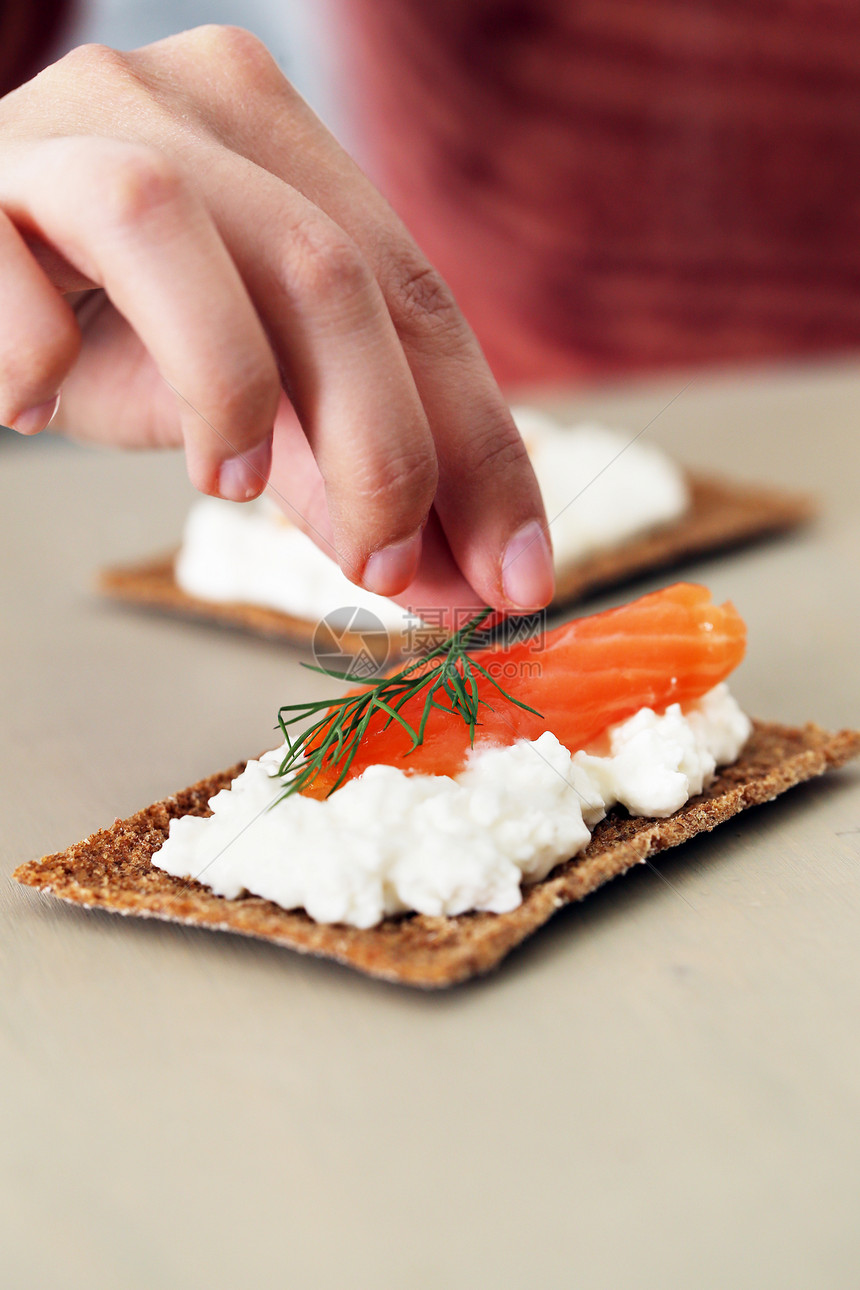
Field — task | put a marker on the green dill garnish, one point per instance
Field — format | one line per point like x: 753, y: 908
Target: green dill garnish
x: 448, y: 684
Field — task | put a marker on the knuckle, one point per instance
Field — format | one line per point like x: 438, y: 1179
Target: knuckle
x: 405, y: 482
x: 497, y: 448
x: 134, y: 183
x: 113, y: 86
x: 89, y: 61
x: 422, y: 302
x: 236, y: 53
x: 326, y: 265
x: 247, y: 394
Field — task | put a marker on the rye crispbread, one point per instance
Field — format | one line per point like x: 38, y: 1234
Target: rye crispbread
x: 112, y: 870
x: 722, y: 514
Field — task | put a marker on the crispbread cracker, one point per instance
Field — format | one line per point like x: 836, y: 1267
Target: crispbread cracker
x: 722, y: 514
x: 152, y: 584
x: 113, y: 870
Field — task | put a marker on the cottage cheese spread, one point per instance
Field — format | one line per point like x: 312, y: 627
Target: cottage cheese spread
x: 600, y: 487
x: 253, y: 555
x: 388, y: 842
x: 599, y: 490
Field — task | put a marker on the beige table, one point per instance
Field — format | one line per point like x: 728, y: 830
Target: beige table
x: 660, y: 1090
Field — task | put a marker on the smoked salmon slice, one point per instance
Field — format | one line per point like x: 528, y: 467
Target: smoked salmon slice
x: 668, y: 647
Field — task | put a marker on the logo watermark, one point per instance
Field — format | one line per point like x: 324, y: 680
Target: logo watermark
x: 353, y: 644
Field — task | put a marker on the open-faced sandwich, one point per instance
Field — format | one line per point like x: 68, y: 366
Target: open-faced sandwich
x: 617, y: 507
x: 421, y: 826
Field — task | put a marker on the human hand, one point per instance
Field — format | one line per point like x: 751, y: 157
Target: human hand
x: 181, y: 240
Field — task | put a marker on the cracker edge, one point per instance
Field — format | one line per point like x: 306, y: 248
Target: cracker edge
x: 723, y: 514
x: 424, y: 951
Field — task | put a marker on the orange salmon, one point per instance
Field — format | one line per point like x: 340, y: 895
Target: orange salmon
x: 668, y: 647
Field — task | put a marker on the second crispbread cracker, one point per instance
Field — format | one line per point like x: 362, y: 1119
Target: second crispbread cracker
x: 113, y: 870
x: 723, y: 513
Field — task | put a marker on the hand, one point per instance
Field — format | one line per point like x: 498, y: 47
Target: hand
x: 181, y: 240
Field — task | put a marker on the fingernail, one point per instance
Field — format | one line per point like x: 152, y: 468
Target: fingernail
x: 244, y: 477
x: 391, y: 570
x: 528, y: 580
x: 34, y: 420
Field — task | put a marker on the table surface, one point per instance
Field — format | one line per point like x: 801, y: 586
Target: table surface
x: 659, y: 1089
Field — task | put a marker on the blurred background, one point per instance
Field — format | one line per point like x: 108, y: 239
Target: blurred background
x: 609, y: 186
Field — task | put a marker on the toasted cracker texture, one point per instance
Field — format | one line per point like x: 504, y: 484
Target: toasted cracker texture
x: 113, y: 870
x: 722, y: 514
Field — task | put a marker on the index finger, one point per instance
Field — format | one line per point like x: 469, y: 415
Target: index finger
x: 487, y: 499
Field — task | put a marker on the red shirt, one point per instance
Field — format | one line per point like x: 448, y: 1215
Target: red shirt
x: 618, y: 184
x: 28, y: 30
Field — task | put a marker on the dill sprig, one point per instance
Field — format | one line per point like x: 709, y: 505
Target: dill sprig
x: 449, y: 685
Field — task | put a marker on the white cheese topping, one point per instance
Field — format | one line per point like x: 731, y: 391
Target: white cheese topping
x: 388, y: 842
x: 253, y: 555
x: 599, y: 490
x: 600, y: 487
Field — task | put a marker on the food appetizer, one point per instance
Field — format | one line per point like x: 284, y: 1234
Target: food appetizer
x: 617, y: 506
x: 421, y: 826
